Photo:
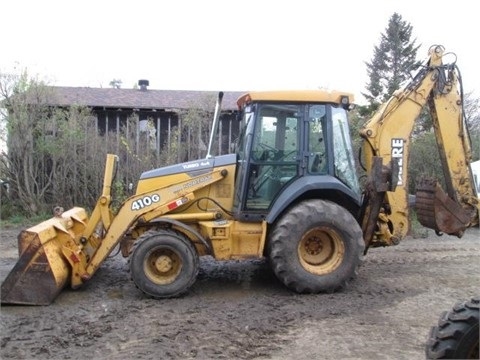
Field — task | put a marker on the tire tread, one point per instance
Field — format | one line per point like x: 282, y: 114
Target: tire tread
x: 446, y: 339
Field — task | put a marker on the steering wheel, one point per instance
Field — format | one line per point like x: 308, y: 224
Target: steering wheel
x: 268, y: 153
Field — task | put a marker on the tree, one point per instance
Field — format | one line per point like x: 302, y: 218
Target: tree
x: 24, y: 102
x: 425, y: 159
x: 391, y: 64
x: 472, y: 116
x: 471, y: 108
x: 54, y: 155
x: 115, y: 83
x: 195, y: 130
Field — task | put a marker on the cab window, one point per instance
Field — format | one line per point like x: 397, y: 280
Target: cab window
x: 274, y: 153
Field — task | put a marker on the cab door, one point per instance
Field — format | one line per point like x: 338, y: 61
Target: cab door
x: 274, y: 159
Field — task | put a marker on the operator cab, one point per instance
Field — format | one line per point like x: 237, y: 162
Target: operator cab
x: 284, y: 140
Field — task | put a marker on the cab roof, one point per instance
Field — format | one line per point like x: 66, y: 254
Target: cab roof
x: 295, y: 96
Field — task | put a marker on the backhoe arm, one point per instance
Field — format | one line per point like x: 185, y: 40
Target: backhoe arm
x: 387, y: 135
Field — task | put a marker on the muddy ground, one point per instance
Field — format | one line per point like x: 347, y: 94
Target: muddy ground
x: 238, y: 310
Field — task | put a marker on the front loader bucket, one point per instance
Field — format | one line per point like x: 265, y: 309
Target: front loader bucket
x: 42, y: 270
x: 437, y: 211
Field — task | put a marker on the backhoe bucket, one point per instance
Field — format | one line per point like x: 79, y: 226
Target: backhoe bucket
x: 42, y: 270
x: 437, y: 211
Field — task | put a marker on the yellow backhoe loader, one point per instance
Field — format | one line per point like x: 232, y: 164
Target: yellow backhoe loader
x: 289, y: 192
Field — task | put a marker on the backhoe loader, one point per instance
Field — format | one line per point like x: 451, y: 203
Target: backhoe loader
x: 289, y: 192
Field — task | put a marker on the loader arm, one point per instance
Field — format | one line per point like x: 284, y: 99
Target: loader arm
x: 70, y: 247
x: 139, y: 208
x: 387, y: 135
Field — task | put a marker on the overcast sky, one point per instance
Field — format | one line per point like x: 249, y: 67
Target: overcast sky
x: 224, y: 45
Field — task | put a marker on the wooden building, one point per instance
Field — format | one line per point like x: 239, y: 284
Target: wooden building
x: 162, y: 108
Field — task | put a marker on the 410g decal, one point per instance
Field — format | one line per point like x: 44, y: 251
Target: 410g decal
x: 145, y: 201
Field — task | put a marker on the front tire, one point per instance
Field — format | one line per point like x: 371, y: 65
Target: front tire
x: 163, y: 263
x: 315, y: 247
x: 457, y: 332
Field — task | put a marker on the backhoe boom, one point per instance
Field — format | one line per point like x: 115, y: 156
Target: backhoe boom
x: 388, y: 136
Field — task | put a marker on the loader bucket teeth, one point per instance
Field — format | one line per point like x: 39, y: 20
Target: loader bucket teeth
x: 42, y: 271
x: 437, y: 211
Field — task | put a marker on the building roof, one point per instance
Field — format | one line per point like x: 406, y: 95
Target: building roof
x: 137, y: 98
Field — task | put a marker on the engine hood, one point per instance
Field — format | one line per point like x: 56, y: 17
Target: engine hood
x: 191, y: 166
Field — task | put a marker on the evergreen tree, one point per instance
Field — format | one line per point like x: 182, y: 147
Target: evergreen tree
x: 392, y: 62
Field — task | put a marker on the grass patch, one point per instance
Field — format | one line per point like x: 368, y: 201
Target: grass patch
x: 16, y: 221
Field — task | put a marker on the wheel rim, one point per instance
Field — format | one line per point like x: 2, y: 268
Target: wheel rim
x: 321, y: 250
x: 162, y: 266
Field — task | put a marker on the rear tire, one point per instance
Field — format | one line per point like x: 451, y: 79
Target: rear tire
x: 315, y: 247
x: 163, y: 263
x: 457, y: 334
